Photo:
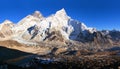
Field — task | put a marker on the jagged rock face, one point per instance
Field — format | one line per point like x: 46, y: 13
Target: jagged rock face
x: 115, y: 35
x: 6, y: 29
x: 38, y: 15
x: 85, y: 37
x: 79, y: 30
x: 97, y: 38
x: 100, y: 38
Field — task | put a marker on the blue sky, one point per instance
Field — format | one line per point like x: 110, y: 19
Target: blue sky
x: 102, y: 14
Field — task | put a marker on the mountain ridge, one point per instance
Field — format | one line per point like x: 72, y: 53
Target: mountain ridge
x: 58, y: 27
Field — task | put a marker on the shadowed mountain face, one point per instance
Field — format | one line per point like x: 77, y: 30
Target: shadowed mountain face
x: 14, y: 59
x: 115, y: 35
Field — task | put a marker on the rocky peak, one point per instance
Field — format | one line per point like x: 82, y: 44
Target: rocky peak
x: 83, y: 26
x: 7, y: 22
x: 62, y: 11
x: 37, y: 14
x: 62, y: 14
x: 6, y: 29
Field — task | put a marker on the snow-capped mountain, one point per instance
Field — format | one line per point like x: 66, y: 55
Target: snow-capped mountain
x: 6, y: 30
x: 56, y: 27
x: 40, y: 28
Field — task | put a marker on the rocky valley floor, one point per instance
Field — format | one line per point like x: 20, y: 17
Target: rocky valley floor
x: 14, y: 55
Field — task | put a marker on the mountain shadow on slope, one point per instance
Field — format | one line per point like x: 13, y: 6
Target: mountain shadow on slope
x: 7, y: 54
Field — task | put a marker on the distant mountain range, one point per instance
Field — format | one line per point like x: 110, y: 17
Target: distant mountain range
x: 58, y: 27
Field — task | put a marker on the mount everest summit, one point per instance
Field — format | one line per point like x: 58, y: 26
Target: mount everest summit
x: 56, y: 27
